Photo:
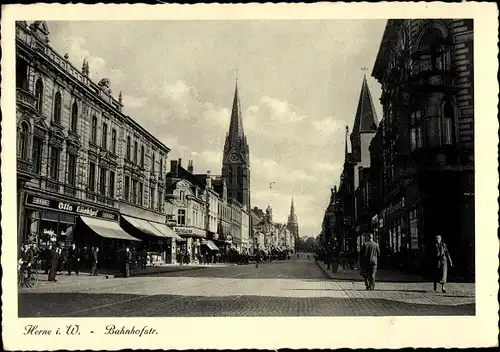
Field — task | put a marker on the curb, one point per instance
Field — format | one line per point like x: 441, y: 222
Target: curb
x: 161, y: 272
x: 331, y: 275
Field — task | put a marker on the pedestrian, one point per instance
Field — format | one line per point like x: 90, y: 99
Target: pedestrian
x: 54, y: 263
x: 73, y: 259
x: 370, y: 252
x: 257, y: 260
x: 442, y: 259
x: 128, y: 260
x: 46, y: 257
x: 60, y: 260
x: 95, y: 259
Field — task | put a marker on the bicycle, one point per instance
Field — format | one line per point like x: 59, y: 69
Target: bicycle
x: 26, y: 278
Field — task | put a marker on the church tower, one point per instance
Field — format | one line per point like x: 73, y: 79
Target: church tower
x: 365, y: 126
x: 236, y: 157
x: 293, y: 224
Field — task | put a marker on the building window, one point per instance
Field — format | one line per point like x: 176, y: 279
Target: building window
x: 135, y: 152
x: 104, y: 137
x: 102, y: 181
x: 416, y: 135
x: 230, y: 178
x: 39, y: 94
x: 37, y: 155
x: 181, y: 217
x: 54, y: 163
x: 134, y: 191
x: 21, y: 73
x: 71, y: 169
x: 152, y: 162
x: 448, y: 118
x: 434, y: 52
x: 74, y: 117
x: 91, y: 177
x: 93, y: 133
x: 142, y: 156
x: 113, y: 141
x: 181, y: 196
x: 111, y: 192
x: 159, y: 205
x: 57, y: 108
x: 161, y: 167
x: 151, y: 198
x: 128, y: 148
x: 23, y: 141
x: 126, y: 187
x: 141, y: 192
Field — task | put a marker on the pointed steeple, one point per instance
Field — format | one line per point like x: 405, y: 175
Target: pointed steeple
x: 236, y: 125
x: 366, y: 116
x: 292, y: 218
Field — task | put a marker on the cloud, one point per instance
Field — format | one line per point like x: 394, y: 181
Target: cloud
x: 132, y: 102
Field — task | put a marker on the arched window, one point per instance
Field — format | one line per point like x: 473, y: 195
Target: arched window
x: 240, y: 175
x: 230, y: 176
x: 448, y: 123
x: 74, y: 117
x: 39, y: 94
x: 57, y: 107
x: 434, y: 51
x: 23, y: 141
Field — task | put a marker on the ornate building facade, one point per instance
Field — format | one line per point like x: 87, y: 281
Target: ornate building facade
x: 81, y: 162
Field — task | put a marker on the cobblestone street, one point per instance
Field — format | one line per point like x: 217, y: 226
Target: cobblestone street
x: 298, y: 287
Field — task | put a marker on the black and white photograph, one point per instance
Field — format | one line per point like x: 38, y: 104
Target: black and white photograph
x: 245, y: 168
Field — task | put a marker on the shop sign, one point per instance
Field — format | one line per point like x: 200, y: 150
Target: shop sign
x: 69, y: 207
x: 186, y: 231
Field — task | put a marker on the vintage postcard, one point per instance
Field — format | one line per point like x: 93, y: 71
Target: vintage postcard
x: 249, y: 176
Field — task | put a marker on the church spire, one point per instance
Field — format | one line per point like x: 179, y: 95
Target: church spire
x: 366, y: 117
x: 236, y: 125
x: 346, y: 137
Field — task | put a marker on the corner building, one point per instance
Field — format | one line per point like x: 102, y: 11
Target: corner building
x: 82, y: 164
x: 423, y: 152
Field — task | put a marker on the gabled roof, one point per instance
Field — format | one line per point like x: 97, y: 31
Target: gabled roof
x: 366, y: 117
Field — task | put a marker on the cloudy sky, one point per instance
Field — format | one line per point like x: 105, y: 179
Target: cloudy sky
x: 299, y: 83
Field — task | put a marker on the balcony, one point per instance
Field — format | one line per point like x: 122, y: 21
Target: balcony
x: 26, y: 99
x: 25, y: 169
x: 69, y: 190
x: 52, y: 186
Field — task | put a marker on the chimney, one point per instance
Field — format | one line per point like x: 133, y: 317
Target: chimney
x: 209, y: 180
x: 190, y: 166
x: 173, y: 168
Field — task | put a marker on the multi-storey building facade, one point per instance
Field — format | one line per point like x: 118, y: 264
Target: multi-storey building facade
x: 426, y: 171
x: 72, y: 151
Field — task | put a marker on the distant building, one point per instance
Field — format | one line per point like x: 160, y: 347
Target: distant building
x: 292, y: 223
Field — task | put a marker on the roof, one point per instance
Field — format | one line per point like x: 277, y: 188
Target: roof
x: 366, y: 116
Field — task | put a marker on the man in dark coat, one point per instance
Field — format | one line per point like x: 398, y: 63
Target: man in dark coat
x: 442, y: 259
x: 54, y: 263
x: 370, y: 252
x: 73, y: 259
x: 46, y: 257
x: 128, y: 260
x: 94, y: 259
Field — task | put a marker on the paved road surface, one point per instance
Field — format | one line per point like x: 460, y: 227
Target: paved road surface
x: 289, y: 288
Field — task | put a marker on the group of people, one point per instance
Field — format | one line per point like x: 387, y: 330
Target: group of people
x: 370, y: 254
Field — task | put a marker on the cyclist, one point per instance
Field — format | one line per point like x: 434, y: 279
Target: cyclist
x: 27, y: 259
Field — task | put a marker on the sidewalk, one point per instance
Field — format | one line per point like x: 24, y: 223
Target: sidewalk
x: 84, y: 275
x: 383, y: 275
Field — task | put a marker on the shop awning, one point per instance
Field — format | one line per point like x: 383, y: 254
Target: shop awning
x: 211, y: 245
x: 108, y: 229
x: 166, y: 231
x: 143, y: 226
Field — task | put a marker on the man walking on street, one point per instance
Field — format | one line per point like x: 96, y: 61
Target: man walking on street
x: 94, y: 258
x: 370, y: 252
x: 442, y: 260
x: 73, y: 259
x: 54, y: 263
x: 128, y: 260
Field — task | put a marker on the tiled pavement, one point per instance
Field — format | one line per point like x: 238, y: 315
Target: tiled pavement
x: 288, y: 288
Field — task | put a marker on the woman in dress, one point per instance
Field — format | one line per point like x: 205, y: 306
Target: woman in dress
x: 442, y: 260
